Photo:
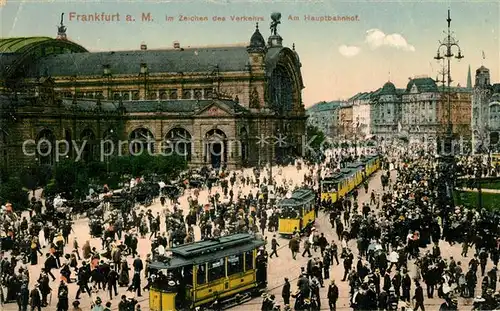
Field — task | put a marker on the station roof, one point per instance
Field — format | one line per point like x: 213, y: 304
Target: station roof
x: 185, y: 60
x: 17, y: 45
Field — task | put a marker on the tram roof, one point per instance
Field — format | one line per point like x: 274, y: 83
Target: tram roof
x: 299, y: 197
x: 355, y: 164
x: 203, y: 251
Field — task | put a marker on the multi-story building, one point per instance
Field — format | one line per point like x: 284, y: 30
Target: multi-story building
x: 460, y: 107
x: 386, y: 111
x: 361, y: 116
x: 485, y: 117
x: 325, y: 116
x: 419, y: 106
x: 211, y: 102
x: 345, y: 122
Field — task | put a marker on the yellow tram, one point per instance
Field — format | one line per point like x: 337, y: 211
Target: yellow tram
x: 227, y: 270
x: 340, y: 184
x: 297, y: 211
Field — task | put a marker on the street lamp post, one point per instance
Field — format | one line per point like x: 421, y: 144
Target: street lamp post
x: 447, y: 165
x: 478, y: 175
x: 447, y: 45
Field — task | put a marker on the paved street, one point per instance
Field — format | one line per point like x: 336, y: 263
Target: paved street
x: 283, y: 266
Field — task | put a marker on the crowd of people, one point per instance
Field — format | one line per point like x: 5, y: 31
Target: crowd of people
x: 389, y: 245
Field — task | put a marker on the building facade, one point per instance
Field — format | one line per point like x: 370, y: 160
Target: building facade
x: 386, y: 111
x: 361, y: 116
x: 325, y: 116
x: 215, y: 104
x: 485, y: 116
x: 418, y: 112
x: 346, y: 121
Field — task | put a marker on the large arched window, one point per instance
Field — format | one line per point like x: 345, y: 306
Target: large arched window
x: 141, y: 141
x: 87, y: 137
x: 216, y: 148
x: 45, y: 145
x: 281, y: 90
x: 178, y: 141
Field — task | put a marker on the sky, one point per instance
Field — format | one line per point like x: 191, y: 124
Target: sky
x: 388, y: 41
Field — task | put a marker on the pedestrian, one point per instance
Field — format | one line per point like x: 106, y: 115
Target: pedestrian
x: 274, y: 247
x: 285, y: 292
x: 294, y: 246
x: 418, y: 297
x: 108, y: 306
x: 333, y: 295
x: 307, y: 248
x: 36, y: 298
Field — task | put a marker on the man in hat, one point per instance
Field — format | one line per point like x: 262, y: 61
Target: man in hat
x: 62, y: 296
x: 418, y: 297
x: 36, y: 298
x: 333, y: 295
x: 285, y: 292
x: 274, y: 247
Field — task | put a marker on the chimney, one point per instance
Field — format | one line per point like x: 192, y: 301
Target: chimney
x: 177, y: 45
x: 144, y: 47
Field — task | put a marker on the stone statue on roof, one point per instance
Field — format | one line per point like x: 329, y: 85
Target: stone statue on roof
x: 274, y: 24
x: 61, y: 29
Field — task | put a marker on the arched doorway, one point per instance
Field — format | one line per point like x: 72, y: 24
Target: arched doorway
x: 141, y: 140
x: 244, y: 146
x: 178, y: 142
x: 3, y: 149
x: 87, y: 137
x: 45, y: 144
x: 216, y: 148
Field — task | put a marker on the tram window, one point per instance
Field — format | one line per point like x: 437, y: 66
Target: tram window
x: 216, y: 270
x: 201, y: 274
x: 187, y: 274
x: 234, y: 264
x: 248, y: 260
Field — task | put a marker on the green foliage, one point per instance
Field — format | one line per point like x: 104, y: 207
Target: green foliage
x: 35, y: 176
x: 68, y: 176
x: 72, y: 177
x: 490, y: 201
x: 317, y: 143
x: 12, y: 191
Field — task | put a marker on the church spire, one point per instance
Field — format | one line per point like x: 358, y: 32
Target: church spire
x: 469, y: 79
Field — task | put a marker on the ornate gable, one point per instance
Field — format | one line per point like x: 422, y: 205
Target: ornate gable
x: 215, y: 110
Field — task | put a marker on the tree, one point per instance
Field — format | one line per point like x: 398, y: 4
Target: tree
x: 317, y: 144
x: 35, y: 176
x: 12, y: 191
x: 71, y: 178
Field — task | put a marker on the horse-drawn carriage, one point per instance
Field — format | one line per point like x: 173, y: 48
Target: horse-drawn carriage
x: 145, y: 192
x: 96, y: 228
x: 172, y: 192
x: 196, y: 181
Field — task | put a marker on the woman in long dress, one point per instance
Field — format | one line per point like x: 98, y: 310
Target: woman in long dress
x: 34, y: 252
x: 124, y: 277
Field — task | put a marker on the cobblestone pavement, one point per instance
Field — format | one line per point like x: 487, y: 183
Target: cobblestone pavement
x: 278, y: 268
